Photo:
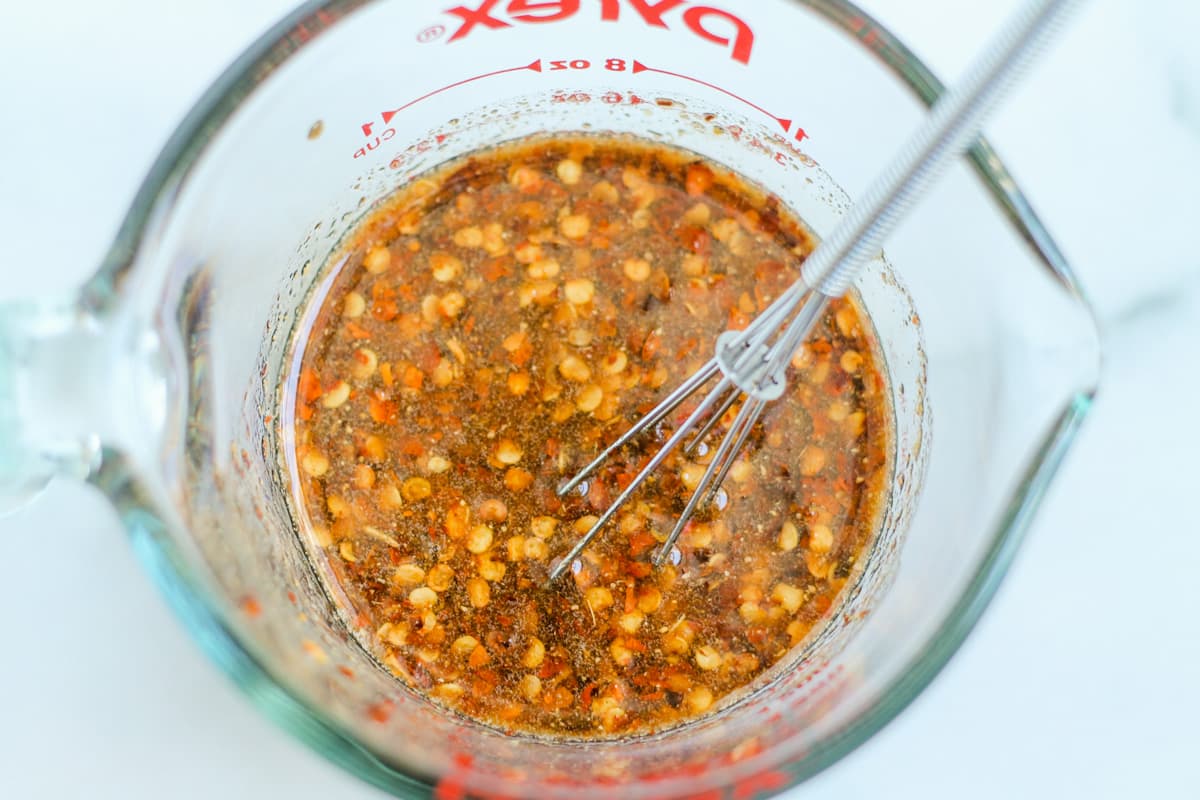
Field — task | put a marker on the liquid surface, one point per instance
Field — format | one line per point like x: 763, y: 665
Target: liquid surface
x: 495, y: 326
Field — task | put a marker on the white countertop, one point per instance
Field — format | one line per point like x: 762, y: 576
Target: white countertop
x: 1081, y: 680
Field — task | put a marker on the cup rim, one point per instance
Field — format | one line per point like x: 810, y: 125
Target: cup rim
x: 205, y: 618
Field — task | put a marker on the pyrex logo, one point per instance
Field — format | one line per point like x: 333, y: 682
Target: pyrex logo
x: 712, y: 24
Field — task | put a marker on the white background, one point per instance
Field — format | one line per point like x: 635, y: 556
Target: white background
x: 1081, y: 681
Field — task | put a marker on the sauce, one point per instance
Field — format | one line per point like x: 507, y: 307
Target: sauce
x: 493, y: 327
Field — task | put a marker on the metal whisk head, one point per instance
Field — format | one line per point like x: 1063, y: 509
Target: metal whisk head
x: 749, y: 364
x: 753, y: 362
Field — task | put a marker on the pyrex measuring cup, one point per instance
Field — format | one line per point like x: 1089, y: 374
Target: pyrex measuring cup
x: 160, y: 382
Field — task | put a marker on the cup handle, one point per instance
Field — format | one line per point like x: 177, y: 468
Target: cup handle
x: 51, y: 355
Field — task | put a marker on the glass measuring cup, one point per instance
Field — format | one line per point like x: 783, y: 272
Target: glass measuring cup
x: 209, y: 271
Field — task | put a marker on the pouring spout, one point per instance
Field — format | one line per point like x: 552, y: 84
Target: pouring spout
x: 63, y: 395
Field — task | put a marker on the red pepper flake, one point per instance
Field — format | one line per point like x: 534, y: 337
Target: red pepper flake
x: 551, y: 667
x: 688, y: 348
x: 698, y: 240
x: 357, y: 331
x: 384, y: 306
x: 412, y: 446
x: 385, y: 310
x: 383, y: 411
x: 309, y: 385
x: 699, y: 180
x: 509, y: 713
x: 585, y: 699
x: 479, y: 657
x: 639, y: 569
x: 349, y: 673
x: 292, y: 597
x: 483, y: 686
x: 381, y: 712
x: 758, y: 635
x: 521, y: 356
x: 650, y: 677
x: 761, y: 785
x: 494, y: 270
x: 429, y: 357
x: 639, y: 543
x: 413, y: 377
x: 251, y: 607
x: 597, y: 495
x: 623, y: 479
x: 651, y: 345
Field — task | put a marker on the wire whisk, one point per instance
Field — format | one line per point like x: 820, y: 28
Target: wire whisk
x: 752, y: 363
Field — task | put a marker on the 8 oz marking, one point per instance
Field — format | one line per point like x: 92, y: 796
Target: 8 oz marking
x: 612, y: 65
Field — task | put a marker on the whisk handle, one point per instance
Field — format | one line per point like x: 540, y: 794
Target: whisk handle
x: 951, y: 127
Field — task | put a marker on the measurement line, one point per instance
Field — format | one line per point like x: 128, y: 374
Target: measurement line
x: 785, y: 123
x: 536, y: 66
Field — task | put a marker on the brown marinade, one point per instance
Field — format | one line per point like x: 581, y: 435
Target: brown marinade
x: 493, y: 327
